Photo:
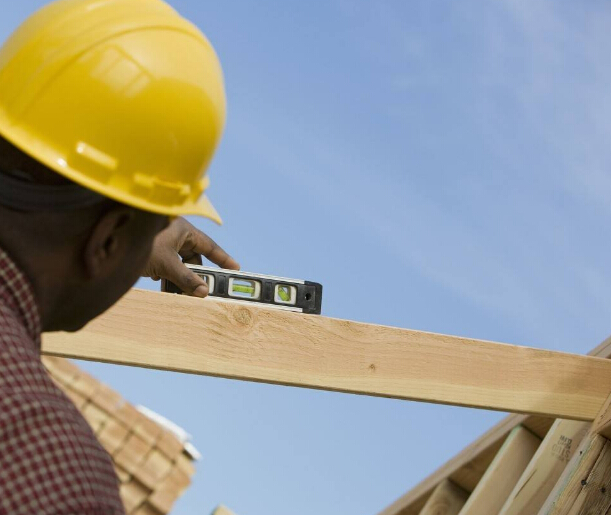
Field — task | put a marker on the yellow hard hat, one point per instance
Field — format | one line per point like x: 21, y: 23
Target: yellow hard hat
x: 124, y: 97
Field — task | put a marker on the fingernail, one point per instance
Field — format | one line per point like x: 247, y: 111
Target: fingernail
x: 201, y: 291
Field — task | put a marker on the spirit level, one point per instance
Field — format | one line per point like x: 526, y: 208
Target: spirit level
x: 280, y: 292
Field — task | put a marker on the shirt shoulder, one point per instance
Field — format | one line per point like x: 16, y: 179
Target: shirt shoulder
x: 50, y: 460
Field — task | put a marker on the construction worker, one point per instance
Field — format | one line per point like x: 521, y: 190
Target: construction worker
x: 110, y: 112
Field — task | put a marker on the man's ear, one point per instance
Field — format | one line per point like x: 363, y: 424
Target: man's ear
x: 108, y: 240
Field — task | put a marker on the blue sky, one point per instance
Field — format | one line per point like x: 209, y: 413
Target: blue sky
x: 442, y: 166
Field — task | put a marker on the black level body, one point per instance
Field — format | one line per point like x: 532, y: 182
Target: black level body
x: 288, y: 294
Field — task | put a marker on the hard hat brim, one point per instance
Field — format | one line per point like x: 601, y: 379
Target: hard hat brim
x: 205, y: 208
x: 33, y: 148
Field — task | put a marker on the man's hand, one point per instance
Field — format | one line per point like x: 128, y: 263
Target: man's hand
x: 182, y: 240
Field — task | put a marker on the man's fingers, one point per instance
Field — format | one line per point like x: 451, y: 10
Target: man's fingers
x: 182, y: 240
x: 200, y: 243
x: 175, y: 271
x: 194, y: 259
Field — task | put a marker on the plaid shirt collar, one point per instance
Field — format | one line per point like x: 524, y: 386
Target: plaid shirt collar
x: 17, y: 294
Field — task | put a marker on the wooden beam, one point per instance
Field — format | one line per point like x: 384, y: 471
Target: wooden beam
x: 254, y: 343
x: 503, y: 473
x: 602, y: 423
x: 544, y: 470
x: 447, y: 499
x: 467, y: 467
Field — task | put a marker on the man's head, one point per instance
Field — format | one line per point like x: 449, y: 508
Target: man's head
x: 124, y: 98
x: 81, y: 260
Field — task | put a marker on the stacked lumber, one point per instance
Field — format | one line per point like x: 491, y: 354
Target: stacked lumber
x: 151, y: 462
x: 222, y: 510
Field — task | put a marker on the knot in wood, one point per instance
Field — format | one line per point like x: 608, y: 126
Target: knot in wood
x: 243, y: 316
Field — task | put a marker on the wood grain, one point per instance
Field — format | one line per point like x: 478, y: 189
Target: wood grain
x: 133, y: 494
x: 585, y: 484
x: 234, y: 340
x: 545, y: 468
x: 463, y: 468
x: 602, y: 423
x: 447, y: 499
x: 595, y: 496
x: 147, y: 509
x: 503, y: 473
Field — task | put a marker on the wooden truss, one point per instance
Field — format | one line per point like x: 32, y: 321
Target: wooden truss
x: 527, y: 464
x: 564, y: 466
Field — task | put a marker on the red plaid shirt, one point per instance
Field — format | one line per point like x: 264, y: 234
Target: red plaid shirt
x: 50, y: 461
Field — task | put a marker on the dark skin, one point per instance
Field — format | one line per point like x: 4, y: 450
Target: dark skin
x: 182, y: 243
x: 81, y: 262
